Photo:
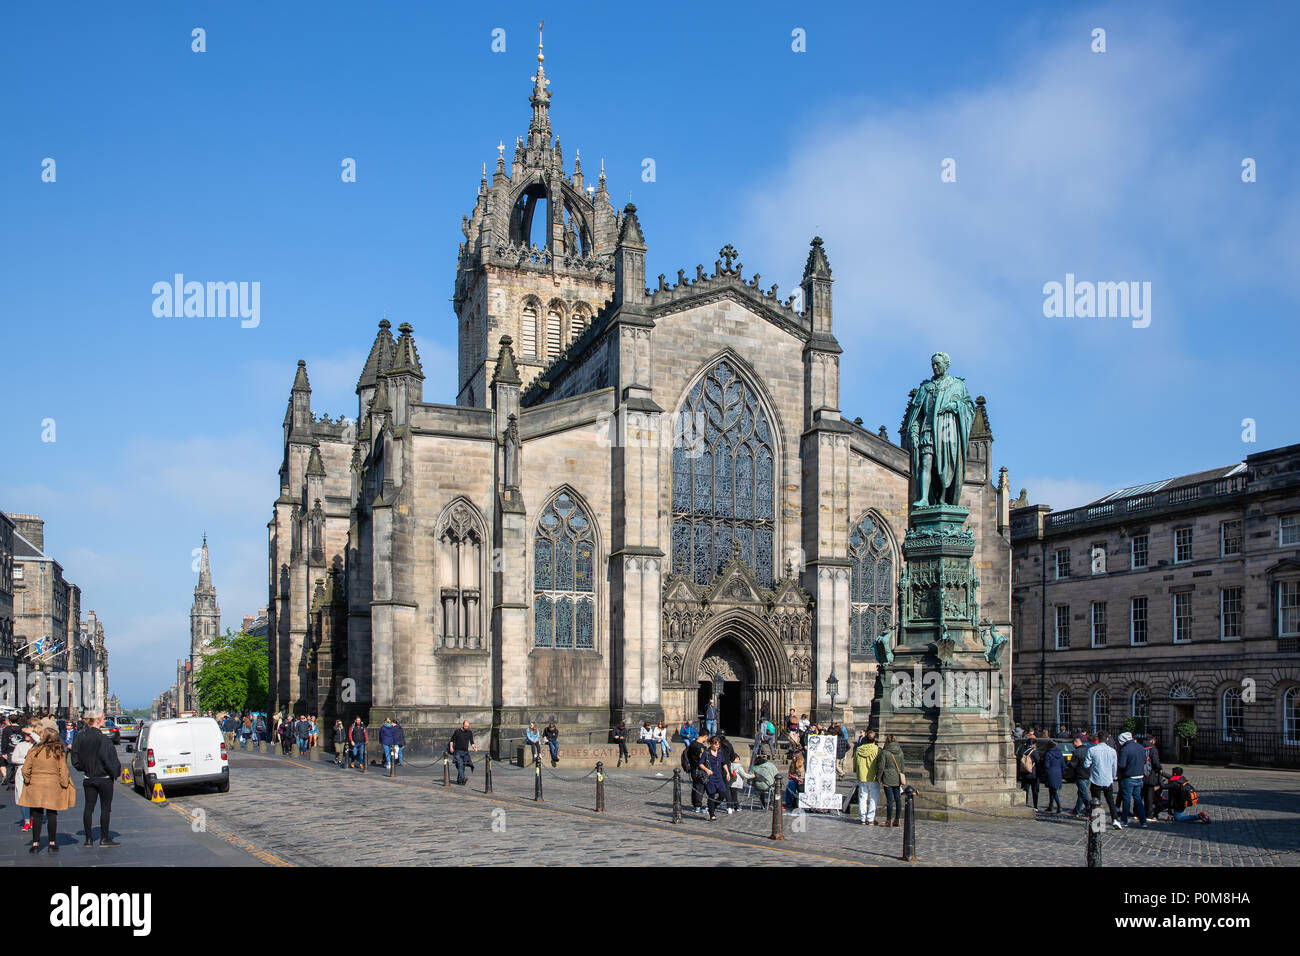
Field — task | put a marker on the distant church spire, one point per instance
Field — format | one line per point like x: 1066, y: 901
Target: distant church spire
x: 205, y: 567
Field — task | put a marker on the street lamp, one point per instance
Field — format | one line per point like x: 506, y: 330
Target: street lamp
x: 832, y: 688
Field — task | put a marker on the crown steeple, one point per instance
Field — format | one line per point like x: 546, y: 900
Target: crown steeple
x: 539, y: 130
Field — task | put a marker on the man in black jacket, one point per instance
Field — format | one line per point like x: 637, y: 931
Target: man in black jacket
x: 95, y: 756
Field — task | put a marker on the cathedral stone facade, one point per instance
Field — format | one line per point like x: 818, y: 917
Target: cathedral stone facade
x: 639, y: 494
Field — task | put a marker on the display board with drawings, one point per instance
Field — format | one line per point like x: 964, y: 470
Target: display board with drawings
x: 819, y: 788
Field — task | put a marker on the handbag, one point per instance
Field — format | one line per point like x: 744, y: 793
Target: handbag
x: 902, y: 777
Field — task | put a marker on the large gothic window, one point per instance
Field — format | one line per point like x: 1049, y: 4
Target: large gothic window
x: 564, y: 584
x: 871, y: 586
x: 723, y: 479
x: 460, y: 551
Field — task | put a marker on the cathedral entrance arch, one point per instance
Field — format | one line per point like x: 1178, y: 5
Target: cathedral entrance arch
x: 727, y: 665
x: 745, y: 652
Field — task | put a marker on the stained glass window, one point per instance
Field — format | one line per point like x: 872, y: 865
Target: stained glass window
x: 871, y: 587
x: 724, y: 479
x: 564, y: 551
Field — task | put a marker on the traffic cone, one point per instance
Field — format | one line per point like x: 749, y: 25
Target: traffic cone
x: 158, y: 795
x: 126, y: 775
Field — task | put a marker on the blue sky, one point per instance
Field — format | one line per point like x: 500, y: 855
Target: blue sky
x: 224, y: 165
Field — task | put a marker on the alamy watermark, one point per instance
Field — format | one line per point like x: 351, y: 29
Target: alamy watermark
x: 211, y: 300
x: 47, y: 690
x: 1101, y: 300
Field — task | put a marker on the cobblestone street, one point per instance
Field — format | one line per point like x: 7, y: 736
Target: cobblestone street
x: 311, y: 813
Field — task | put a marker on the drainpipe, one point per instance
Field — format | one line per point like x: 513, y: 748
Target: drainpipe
x: 1042, y: 637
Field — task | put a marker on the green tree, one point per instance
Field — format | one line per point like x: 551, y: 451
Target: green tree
x: 234, y: 675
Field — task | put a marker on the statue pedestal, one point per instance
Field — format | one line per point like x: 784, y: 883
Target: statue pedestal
x: 941, y: 696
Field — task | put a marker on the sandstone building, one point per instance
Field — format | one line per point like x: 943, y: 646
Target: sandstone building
x: 638, y: 492
x: 1170, y: 600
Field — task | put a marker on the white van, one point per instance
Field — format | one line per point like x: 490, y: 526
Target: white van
x: 187, y: 750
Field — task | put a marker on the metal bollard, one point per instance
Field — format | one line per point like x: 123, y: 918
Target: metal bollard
x: 677, y: 795
x: 600, y: 786
x: 909, y: 826
x: 487, y: 773
x: 1096, y: 823
x: 778, y: 798
x: 537, y: 780
x: 446, y: 772
x: 392, y: 761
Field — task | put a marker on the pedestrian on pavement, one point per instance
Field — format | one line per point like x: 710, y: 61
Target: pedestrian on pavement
x: 892, y: 779
x: 534, y: 739
x: 23, y: 743
x: 340, y: 742
x: 11, y: 734
x: 552, y: 737
x: 740, y: 777
x: 866, y: 765
x: 96, y: 757
x: 1130, y: 772
x: 1101, y: 763
x: 460, y: 747
x: 302, y: 730
x: 1076, y: 772
x: 646, y: 735
x: 357, y: 739
x: 245, y: 731
x: 47, y: 787
x: 764, y: 778
x: 691, y: 759
x: 714, y: 765
x: 387, y: 740
x: 285, y: 733
x: 1151, y: 777
x: 1027, y: 768
x: 711, y: 718
x: 400, y: 741
x: 620, y: 738
x: 228, y: 731
x: 259, y: 732
x: 313, y: 735
x: 1051, y: 771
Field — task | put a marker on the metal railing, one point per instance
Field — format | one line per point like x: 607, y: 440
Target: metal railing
x: 1137, y: 503
x: 1244, y: 748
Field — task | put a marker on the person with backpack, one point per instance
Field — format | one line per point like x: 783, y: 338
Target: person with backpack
x: 1183, y: 799
x: 1151, y: 777
x: 1131, y: 771
x: 1028, y: 768
x: 1051, y: 771
x: 259, y: 733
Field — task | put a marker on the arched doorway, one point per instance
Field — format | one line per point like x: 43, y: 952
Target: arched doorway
x: 726, y: 660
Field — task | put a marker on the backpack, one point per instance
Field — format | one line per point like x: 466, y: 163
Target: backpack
x: 1027, y: 761
x: 686, y: 759
x: 1189, y: 792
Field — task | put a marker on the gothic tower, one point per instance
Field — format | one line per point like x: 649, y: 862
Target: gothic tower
x: 537, y: 260
x: 205, y: 614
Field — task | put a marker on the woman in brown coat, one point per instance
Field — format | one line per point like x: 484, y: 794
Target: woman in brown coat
x: 47, y: 787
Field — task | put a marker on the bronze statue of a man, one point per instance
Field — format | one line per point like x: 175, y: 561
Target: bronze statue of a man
x: 937, y: 430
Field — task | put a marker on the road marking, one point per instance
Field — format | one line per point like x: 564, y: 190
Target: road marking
x: 233, y: 840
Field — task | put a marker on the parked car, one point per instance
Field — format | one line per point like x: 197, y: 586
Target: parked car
x: 129, y: 729
x: 181, y: 751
